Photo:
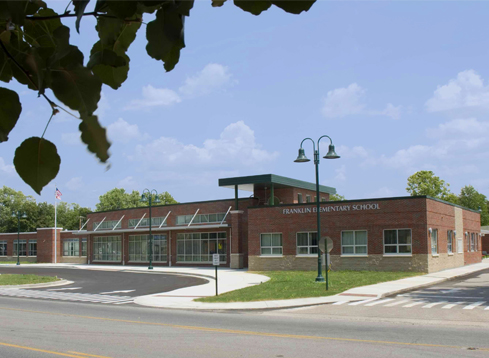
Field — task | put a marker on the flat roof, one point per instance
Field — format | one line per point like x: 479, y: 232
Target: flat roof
x: 249, y: 183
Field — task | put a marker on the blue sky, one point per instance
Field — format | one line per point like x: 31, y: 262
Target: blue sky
x: 399, y: 86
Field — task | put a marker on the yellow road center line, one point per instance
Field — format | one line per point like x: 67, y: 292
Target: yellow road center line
x: 252, y: 333
x: 88, y: 355
x: 39, y: 350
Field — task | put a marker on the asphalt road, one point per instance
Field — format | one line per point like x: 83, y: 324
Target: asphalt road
x: 461, y: 301
x: 127, y: 283
x: 61, y: 329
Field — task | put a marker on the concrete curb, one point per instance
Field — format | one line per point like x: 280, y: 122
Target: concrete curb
x: 61, y: 282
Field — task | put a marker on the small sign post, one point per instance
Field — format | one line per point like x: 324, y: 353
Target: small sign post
x: 215, y: 262
x: 326, y: 245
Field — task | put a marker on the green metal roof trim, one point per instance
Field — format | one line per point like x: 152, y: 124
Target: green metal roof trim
x: 165, y: 205
x: 365, y: 200
x: 275, y: 179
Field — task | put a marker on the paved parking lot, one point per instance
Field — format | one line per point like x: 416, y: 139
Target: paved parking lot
x: 97, y: 286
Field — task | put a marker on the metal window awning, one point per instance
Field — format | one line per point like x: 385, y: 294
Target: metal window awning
x: 166, y: 228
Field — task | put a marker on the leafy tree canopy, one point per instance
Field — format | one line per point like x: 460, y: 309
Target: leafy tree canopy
x: 425, y: 182
x: 119, y: 199
x: 35, y: 51
x: 471, y: 198
x: 336, y: 197
x: 38, y: 214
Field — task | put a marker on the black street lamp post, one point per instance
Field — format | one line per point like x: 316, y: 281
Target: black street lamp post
x: 19, y: 214
x: 147, y: 196
x: 301, y: 158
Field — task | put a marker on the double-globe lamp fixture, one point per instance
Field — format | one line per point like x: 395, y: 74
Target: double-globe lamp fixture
x: 146, y: 197
x: 301, y: 158
x: 19, y: 215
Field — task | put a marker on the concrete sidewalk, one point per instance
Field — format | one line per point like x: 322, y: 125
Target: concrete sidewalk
x: 183, y: 298
x: 230, y: 280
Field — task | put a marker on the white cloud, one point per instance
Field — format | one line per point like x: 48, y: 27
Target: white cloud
x: 346, y: 152
x: 465, y: 91
x: 9, y: 169
x: 155, y: 97
x: 383, y: 192
x: 470, y: 127
x: 127, y: 183
x: 235, y: 147
x: 71, y: 138
x: 212, y: 77
x: 122, y: 131
x: 340, y: 174
x: 75, y: 183
x: 342, y: 102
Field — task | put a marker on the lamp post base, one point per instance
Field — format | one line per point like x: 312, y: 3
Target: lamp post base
x: 150, y: 267
x: 18, y: 263
x: 320, y: 279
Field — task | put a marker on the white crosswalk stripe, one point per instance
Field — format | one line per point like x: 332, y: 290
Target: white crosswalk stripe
x: 67, y: 296
x: 474, y: 305
x: 406, y: 303
x: 434, y: 304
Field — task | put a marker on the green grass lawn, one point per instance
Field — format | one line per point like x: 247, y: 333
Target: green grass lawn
x: 300, y: 284
x: 7, y: 279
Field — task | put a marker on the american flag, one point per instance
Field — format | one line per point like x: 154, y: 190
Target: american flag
x: 57, y: 194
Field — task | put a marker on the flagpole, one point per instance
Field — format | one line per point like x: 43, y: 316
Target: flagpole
x: 55, y: 224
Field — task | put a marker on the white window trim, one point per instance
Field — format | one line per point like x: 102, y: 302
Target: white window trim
x: 350, y: 255
x: 297, y: 246
x: 436, y: 253
x: 398, y: 254
x: 341, y: 244
x: 271, y: 246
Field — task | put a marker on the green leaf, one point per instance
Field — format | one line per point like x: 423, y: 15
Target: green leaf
x: 75, y: 85
x: 106, y: 57
x: 5, y: 70
x: 101, y: 5
x: 95, y: 137
x: 37, y: 162
x: 184, y: 6
x: 218, y: 3
x: 80, y: 6
x: 294, y: 7
x: 123, y: 9
x: 165, y: 36
x: 14, y: 10
x: 256, y: 7
x: 33, y: 6
x: 10, y: 109
x: 115, y: 35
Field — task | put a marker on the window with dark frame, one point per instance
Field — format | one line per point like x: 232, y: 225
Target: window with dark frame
x: 397, y: 242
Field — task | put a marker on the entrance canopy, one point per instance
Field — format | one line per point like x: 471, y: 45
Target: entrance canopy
x: 255, y: 183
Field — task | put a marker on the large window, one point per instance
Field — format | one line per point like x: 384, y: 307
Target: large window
x: 472, y: 242
x: 307, y: 243
x: 139, y: 248
x: 84, y: 247
x: 200, y: 218
x: 271, y: 244
x: 354, y: 242
x: 299, y: 198
x: 32, y: 247
x: 23, y: 248
x: 71, y: 247
x: 145, y: 222
x: 107, y: 225
x: 434, y: 241
x: 450, y: 241
x: 199, y: 247
x: 397, y: 242
x: 107, y: 248
x: 3, y: 248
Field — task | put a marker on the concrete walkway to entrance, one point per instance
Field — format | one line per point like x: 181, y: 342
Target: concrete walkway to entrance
x: 229, y: 280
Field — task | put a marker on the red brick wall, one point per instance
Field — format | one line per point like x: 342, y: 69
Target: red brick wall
x: 11, y: 237
x: 442, y: 218
x: 392, y: 214
x: 472, y: 224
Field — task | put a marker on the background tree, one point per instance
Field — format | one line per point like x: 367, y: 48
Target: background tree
x: 118, y: 199
x: 471, y: 198
x: 425, y: 182
x: 38, y: 214
x: 336, y: 197
x: 35, y: 50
